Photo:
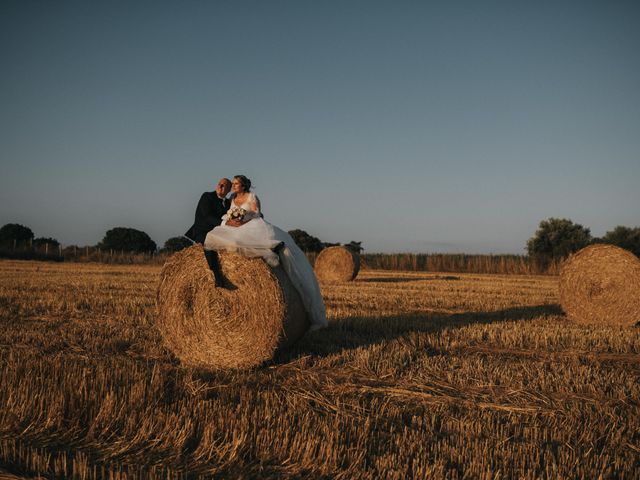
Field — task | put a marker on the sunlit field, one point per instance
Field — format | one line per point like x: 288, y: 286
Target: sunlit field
x: 419, y: 375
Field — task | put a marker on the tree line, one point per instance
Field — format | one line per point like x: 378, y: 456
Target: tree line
x: 554, y: 240
x: 557, y: 238
x: 14, y: 236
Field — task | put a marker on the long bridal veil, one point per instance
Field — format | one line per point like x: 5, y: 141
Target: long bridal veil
x: 257, y: 238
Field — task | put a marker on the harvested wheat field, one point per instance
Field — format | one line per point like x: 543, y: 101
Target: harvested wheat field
x: 419, y: 375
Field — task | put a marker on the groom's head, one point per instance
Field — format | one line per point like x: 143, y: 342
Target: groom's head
x: 223, y: 187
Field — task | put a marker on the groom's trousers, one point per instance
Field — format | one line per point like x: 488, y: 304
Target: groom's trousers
x: 214, y: 265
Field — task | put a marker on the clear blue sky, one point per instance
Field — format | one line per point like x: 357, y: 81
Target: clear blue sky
x: 453, y: 126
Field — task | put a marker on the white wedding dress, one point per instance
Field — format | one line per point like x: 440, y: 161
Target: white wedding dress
x: 257, y: 238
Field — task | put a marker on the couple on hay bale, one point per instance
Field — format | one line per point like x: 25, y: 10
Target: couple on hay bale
x: 236, y: 224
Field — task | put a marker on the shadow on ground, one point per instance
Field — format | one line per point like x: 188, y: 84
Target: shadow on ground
x: 355, y: 332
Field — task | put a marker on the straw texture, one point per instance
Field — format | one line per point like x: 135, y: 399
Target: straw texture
x: 600, y: 284
x: 337, y: 264
x: 239, y: 324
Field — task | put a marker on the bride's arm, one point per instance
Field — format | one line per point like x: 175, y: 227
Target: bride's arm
x: 254, y: 209
x: 225, y: 217
x: 255, y: 205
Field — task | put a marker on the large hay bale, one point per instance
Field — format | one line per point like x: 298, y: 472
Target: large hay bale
x: 337, y: 264
x: 239, y: 324
x: 600, y: 284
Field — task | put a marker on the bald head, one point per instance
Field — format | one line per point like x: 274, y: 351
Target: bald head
x: 223, y: 187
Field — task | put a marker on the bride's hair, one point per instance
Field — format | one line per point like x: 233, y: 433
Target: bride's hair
x: 244, y: 181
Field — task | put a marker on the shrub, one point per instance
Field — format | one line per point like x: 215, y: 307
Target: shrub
x: 175, y: 244
x: 355, y: 247
x: 557, y: 238
x: 42, y: 241
x: 15, y: 234
x: 127, y: 239
x: 623, y: 237
x: 306, y: 242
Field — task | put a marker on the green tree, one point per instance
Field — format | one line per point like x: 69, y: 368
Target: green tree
x: 355, y: 247
x: 306, y: 242
x: 127, y: 239
x: 623, y: 237
x: 42, y: 241
x: 15, y: 234
x: 557, y: 238
x: 175, y: 244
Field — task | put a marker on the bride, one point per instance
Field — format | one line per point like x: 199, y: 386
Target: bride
x: 244, y: 231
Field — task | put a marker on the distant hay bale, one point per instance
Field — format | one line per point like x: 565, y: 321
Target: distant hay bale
x: 238, y: 325
x: 337, y: 264
x: 600, y: 284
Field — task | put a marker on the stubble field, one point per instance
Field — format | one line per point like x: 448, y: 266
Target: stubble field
x: 420, y: 375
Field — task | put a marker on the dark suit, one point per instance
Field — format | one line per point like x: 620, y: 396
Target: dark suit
x: 209, y: 214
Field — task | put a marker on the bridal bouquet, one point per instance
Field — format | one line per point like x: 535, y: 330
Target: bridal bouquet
x: 236, y: 213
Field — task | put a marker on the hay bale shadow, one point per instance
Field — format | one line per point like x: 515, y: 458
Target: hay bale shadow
x: 361, y: 332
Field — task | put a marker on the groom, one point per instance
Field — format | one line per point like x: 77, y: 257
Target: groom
x: 211, y: 207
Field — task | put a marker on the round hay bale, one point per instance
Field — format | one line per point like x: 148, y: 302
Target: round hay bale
x: 337, y: 264
x: 239, y: 324
x: 600, y: 284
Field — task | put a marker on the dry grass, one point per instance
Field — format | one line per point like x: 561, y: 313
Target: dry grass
x: 418, y: 376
